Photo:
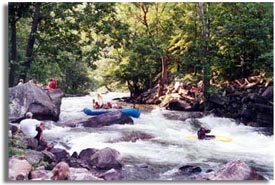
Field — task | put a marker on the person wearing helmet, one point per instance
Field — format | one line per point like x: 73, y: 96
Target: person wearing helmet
x: 202, y: 134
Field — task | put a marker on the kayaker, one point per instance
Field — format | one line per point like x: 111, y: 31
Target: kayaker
x: 202, y: 134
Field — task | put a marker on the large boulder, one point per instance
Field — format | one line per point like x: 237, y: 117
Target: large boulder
x: 28, y: 97
x: 19, y: 168
x: 87, y: 153
x: 107, y: 119
x: 236, y: 170
x: 56, y: 96
x: 60, y: 154
x: 178, y: 105
x: 105, y: 159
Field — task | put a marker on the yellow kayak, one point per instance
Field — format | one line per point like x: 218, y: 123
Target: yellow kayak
x: 217, y: 138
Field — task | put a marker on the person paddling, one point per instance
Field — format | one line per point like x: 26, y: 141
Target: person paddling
x: 202, y: 134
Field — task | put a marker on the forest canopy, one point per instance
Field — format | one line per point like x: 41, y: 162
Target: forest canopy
x: 135, y: 46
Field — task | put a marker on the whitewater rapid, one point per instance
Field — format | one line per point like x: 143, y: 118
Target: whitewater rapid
x: 169, y: 145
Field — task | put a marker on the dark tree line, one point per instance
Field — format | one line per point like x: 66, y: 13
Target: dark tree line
x: 138, y: 45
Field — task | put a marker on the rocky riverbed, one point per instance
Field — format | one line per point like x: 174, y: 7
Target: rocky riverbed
x: 152, y: 147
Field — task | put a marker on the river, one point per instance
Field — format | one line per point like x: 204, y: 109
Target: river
x: 169, y: 146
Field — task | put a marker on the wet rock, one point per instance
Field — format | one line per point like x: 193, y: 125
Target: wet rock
x: 133, y: 137
x: 78, y: 163
x: 137, y: 172
x: 74, y: 155
x: 111, y: 175
x: 249, y: 108
x: 39, y: 175
x: 29, y: 97
x: 73, y: 123
x: 178, y: 105
x: 19, y: 168
x: 30, y: 143
x: 14, y: 128
x: 82, y: 174
x: 182, y: 115
x: 56, y: 96
x: 217, y: 99
x: 34, y: 157
x: 268, y: 93
x: 189, y: 169
x: 107, y: 119
x: 48, y: 157
x: 105, y: 159
x: 82, y: 160
x: 236, y: 170
x: 86, y: 154
x: 60, y: 154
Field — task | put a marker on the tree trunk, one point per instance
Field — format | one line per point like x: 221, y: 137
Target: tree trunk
x: 13, y: 47
x: 162, y: 80
x: 31, y: 41
x: 204, y: 51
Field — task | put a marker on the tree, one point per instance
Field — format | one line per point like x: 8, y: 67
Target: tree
x: 16, y: 11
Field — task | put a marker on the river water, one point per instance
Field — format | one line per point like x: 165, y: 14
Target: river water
x: 169, y: 145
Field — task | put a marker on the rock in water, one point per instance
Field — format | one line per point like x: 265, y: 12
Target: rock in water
x: 236, y: 170
x: 29, y: 97
x: 106, y: 158
x: 107, y: 119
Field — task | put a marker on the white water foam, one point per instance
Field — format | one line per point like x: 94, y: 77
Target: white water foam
x: 169, y: 144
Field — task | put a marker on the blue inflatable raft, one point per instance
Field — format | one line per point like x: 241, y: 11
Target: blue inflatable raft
x: 128, y: 111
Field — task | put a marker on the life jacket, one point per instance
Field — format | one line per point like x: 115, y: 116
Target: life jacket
x: 53, y: 84
x: 201, y: 134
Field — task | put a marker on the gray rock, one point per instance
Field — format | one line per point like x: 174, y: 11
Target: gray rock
x: 82, y: 174
x: 39, y: 175
x: 111, y: 175
x: 29, y: 97
x: 236, y: 170
x: 107, y: 119
x: 19, y: 168
x: 86, y: 154
x: 105, y: 159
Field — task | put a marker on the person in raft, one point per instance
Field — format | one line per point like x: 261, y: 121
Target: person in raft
x: 202, y: 134
x: 96, y: 105
x: 52, y: 84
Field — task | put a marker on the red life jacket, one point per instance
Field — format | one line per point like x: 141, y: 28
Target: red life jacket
x: 53, y: 84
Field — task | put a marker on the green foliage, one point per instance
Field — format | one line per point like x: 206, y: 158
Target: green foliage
x: 16, y: 151
x: 16, y: 147
x: 42, y: 162
x: 91, y: 44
